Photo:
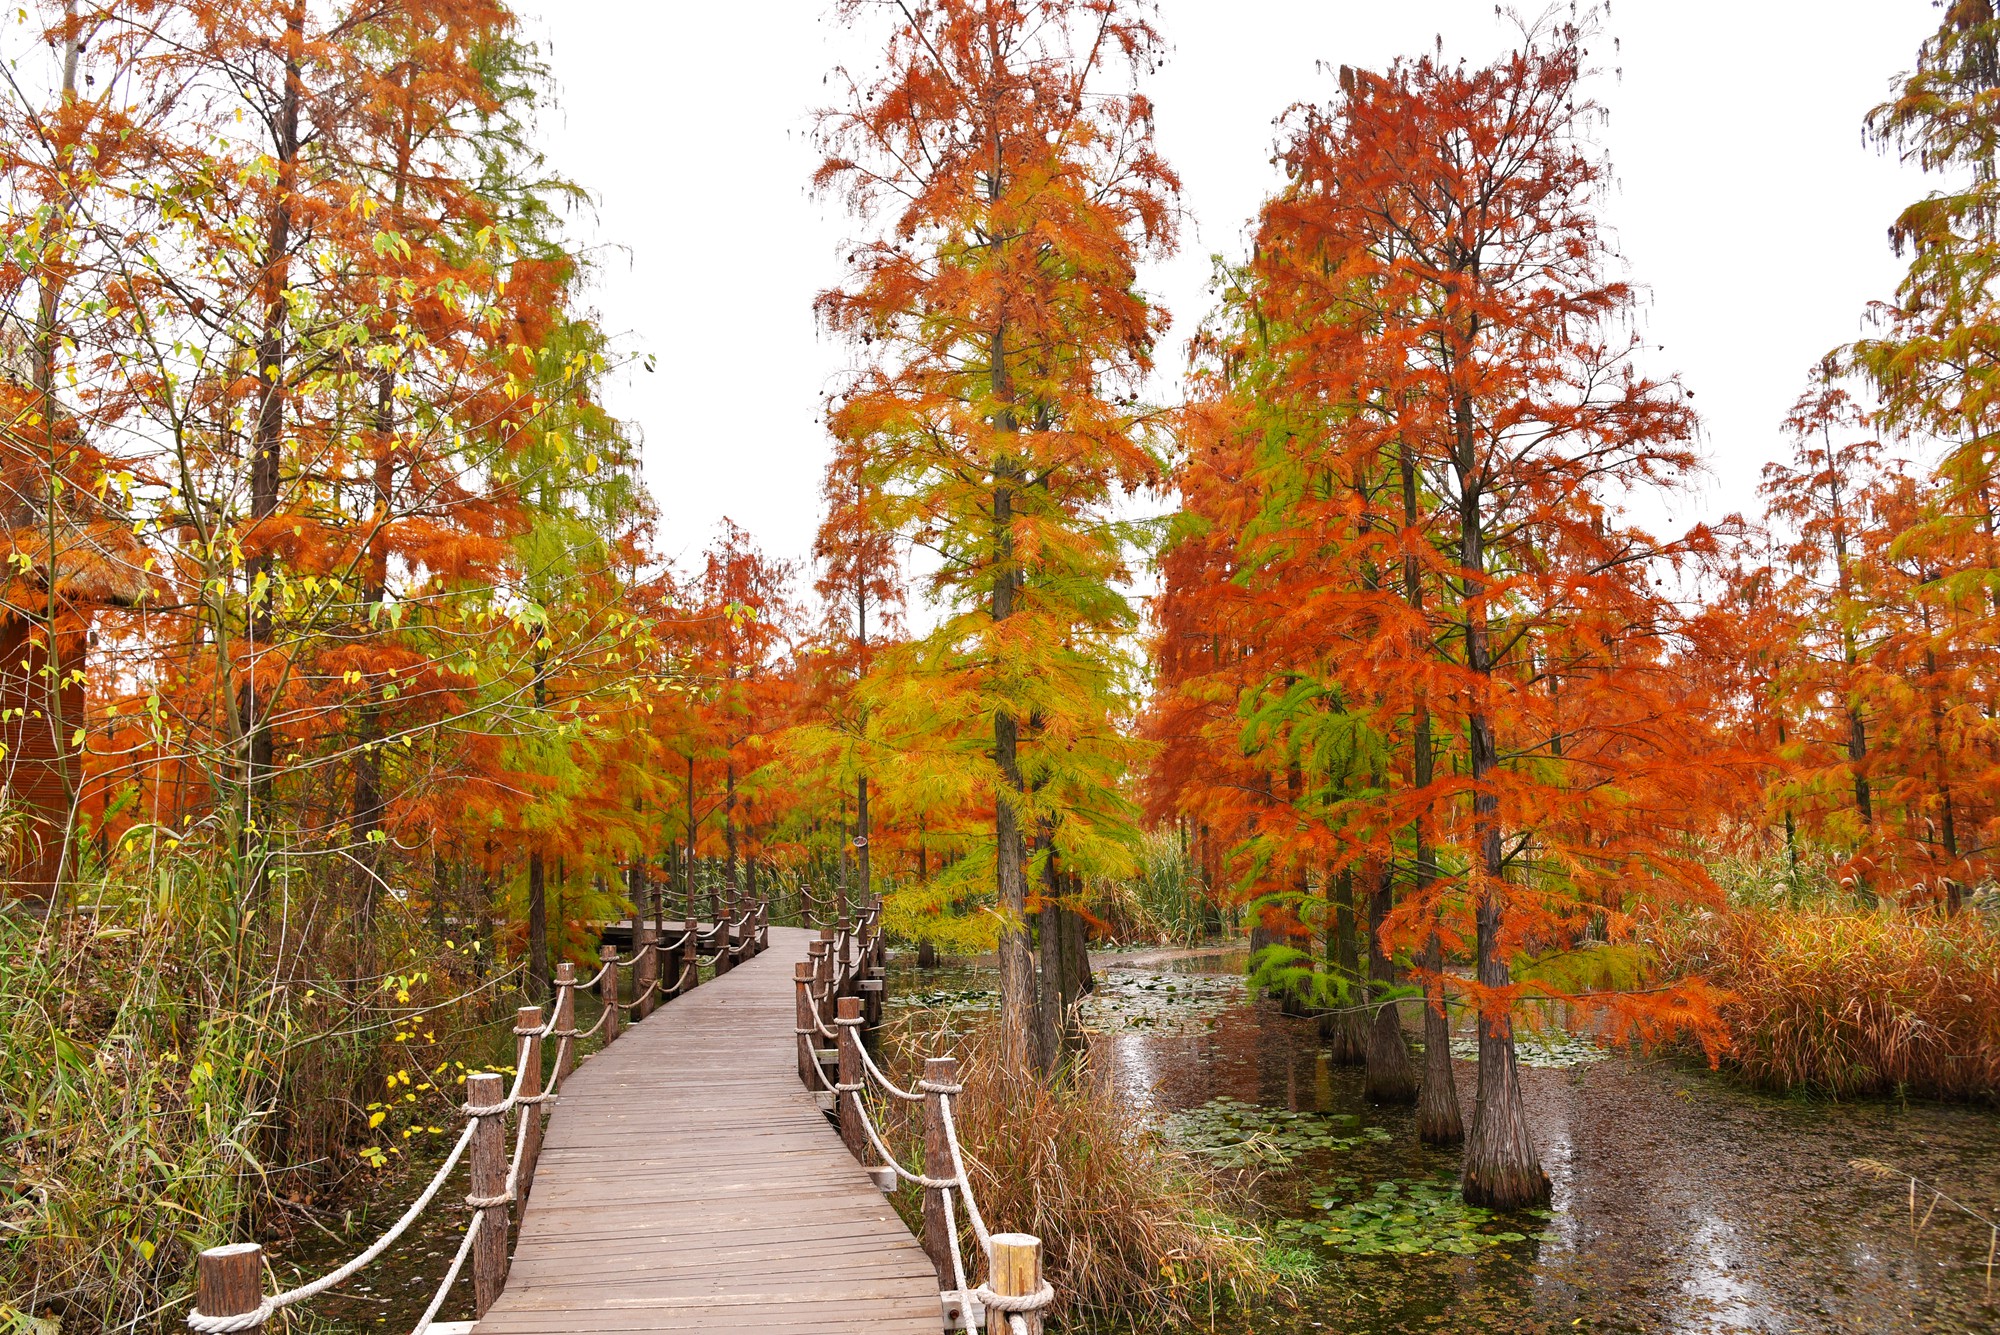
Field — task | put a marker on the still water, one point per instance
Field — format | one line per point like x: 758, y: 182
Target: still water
x: 1682, y: 1202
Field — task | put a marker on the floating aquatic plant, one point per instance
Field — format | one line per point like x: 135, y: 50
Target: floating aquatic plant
x: 1409, y: 1218
x: 1235, y: 1134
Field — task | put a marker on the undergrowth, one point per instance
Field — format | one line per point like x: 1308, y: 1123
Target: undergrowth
x: 1133, y: 1229
x: 1851, y: 1003
x: 178, y: 1070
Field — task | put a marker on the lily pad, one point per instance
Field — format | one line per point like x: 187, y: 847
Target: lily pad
x: 1418, y: 1217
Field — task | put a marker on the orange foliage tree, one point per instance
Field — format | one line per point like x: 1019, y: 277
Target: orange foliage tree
x: 1454, y: 669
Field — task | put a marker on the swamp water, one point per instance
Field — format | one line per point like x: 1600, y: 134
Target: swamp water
x: 1682, y: 1202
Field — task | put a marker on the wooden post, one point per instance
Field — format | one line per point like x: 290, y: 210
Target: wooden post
x: 565, y: 1019
x: 849, y: 1028
x: 607, y: 991
x: 690, y: 957
x: 802, y: 981
x: 646, y: 971
x: 821, y: 954
x: 722, y: 960
x: 528, y: 1024
x: 229, y: 1280
x: 489, y: 1182
x: 1016, y: 1272
x: 843, y: 969
x: 937, y: 1164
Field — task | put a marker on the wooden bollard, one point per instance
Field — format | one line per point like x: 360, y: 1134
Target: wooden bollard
x: 938, y: 1071
x: 646, y: 969
x: 722, y: 930
x: 528, y: 1024
x: 607, y: 991
x: 849, y: 1027
x: 821, y: 953
x: 565, y: 1019
x: 229, y: 1280
x: 802, y: 981
x: 843, y: 968
x: 489, y: 1187
x: 690, y: 957
x: 1016, y: 1272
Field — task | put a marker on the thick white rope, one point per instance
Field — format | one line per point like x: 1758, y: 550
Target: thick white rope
x: 888, y: 1087
x: 211, y: 1325
x: 451, y: 1275
x: 1015, y: 1302
x: 964, y: 1182
x: 957, y: 1261
x: 888, y: 1159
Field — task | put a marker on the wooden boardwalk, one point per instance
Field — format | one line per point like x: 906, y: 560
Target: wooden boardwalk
x: 690, y: 1182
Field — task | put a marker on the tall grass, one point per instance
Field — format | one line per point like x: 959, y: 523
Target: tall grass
x: 1848, y: 1003
x: 1132, y: 1229
x: 1167, y: 903
x: 177, y: 1071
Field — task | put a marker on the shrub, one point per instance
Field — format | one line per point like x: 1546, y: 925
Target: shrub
x: 1854, y: 1003
x: 1131, y: 1228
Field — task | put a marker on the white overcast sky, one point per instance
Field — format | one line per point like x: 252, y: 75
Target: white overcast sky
x: 1747, y: 205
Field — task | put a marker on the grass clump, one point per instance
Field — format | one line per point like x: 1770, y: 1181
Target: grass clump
x: 1132, y: 1227
x: 1847, y: 1003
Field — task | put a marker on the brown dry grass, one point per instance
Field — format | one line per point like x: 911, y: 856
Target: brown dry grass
x: 1132, y: 1229
x: 1850, y: 1003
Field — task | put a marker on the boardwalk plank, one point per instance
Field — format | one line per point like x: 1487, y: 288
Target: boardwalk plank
x: 690, y: 1183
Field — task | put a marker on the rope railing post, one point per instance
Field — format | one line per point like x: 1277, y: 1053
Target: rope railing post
x: 565, y: 1026
x: 802, y: 977
x: 940, y: 1074
x: 763, y: 926
x: 690, y: 974
x: 645, y: 968
x: 607, y: 990
x: 229, y: 1282
x: 489, y: 1190
x: 723, y: 931
x: 852, y: 1080
x: 1014, y: 1271
x: 822, y: 958
x: 843, y: 968
x: 528, y: 1024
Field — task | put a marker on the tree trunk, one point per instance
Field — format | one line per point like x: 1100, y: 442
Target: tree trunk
x: 1439, y: 1121
x: 730, y: 873
x: 268, y: 434
x: 540, y: 974
x: 1389, y: 1077
x: 1501, y: 1169
x: 865, y: 868
x: 1346, y: 1026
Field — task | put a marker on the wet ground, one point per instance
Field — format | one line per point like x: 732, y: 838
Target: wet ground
x: 1682, y: 1202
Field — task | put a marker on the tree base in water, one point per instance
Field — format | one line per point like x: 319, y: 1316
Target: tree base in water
x: 1520, y: 1187
x: 1390, y: 1077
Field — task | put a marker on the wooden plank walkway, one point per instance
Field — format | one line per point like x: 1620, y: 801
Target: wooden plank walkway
x: 690, y: 1182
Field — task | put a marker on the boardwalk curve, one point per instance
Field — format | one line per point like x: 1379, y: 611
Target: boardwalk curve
x: 689, y: 1182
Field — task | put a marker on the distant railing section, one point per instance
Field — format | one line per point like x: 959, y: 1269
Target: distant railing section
x: 229, y: 1280
x: 840, y: 990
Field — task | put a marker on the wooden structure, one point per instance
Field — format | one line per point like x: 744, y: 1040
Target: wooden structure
x: 689, y: 1182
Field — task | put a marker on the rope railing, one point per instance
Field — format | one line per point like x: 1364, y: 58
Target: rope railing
x: 839, y: 992
x: 229, y: 1282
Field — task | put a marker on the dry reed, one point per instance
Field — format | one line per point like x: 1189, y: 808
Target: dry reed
x: 1847, y: 1003
x: 1132, y: 1229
